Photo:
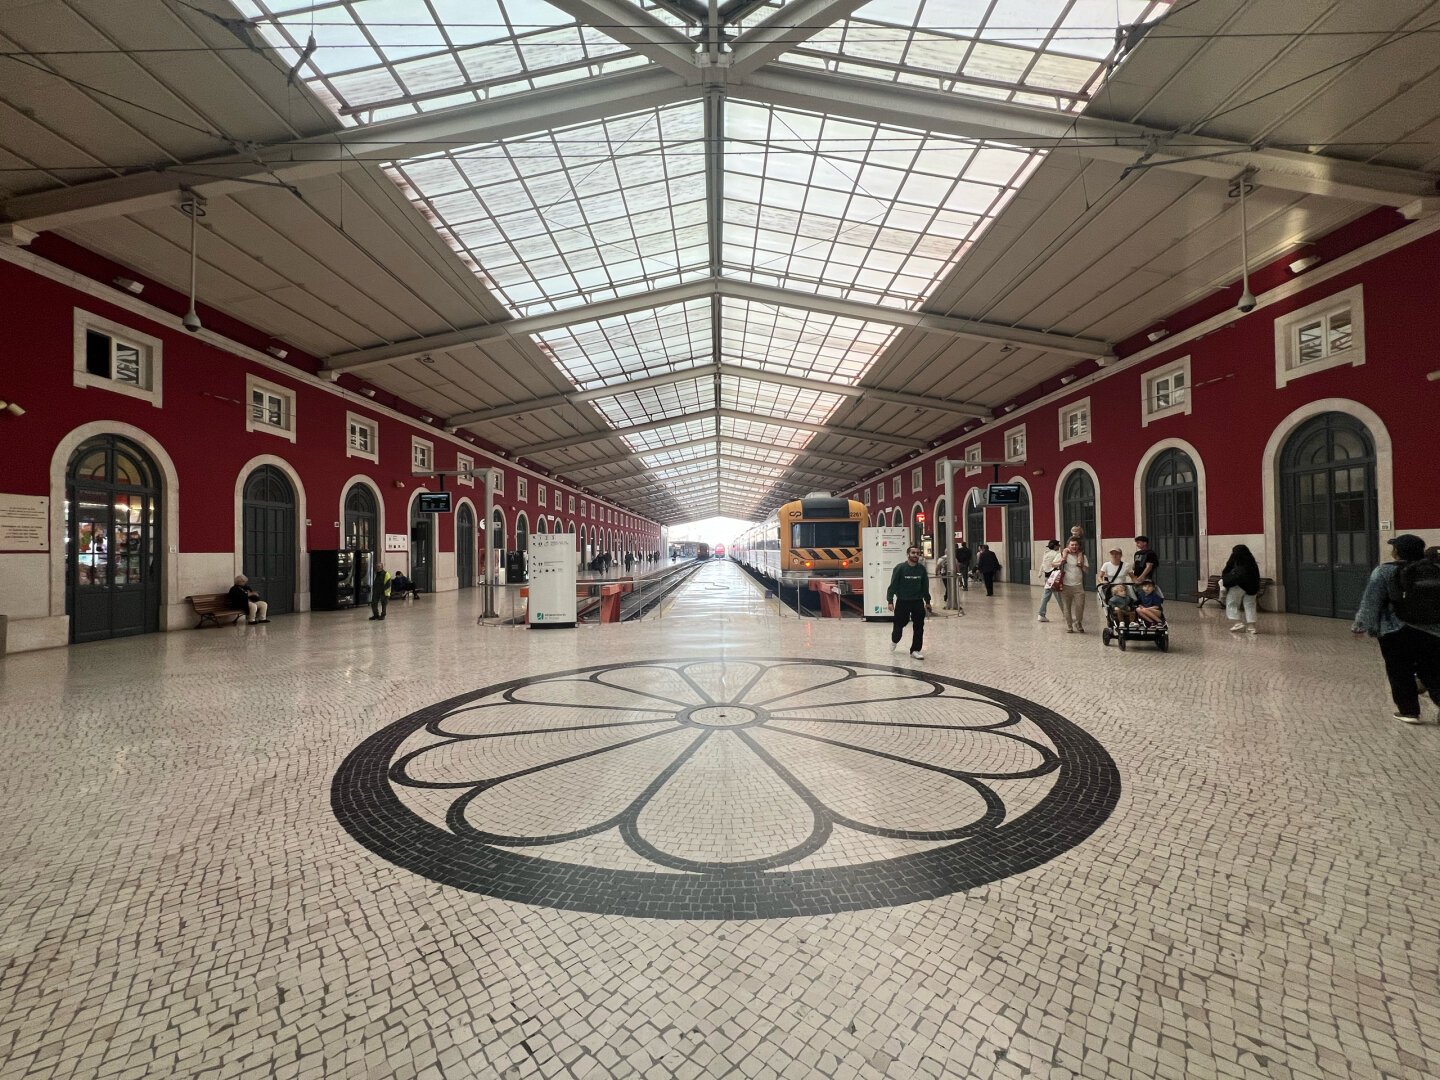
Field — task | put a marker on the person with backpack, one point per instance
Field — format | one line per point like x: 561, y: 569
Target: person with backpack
x: 1240, y: 581
x: 1401, y: 607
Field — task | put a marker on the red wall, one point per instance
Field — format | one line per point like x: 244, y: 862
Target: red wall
x: 1235, y: 407
x: 202, y: 424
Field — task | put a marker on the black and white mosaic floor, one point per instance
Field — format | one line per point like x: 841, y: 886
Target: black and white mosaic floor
x: 712, y: 845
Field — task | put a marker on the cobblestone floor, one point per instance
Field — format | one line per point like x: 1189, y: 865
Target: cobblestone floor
x: 1216, y: 862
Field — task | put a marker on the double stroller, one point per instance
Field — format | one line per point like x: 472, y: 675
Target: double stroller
x: 1122, y: 628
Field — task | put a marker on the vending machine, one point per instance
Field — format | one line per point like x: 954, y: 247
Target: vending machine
x: 884, y: 548
x: 552, y: 581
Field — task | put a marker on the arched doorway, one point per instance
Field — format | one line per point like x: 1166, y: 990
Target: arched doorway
x: 1329, y: 519
x: 522, y: 533
x: 113, y: 540
x: 268, y: 537
x: 1172, y: 521
x: 1017, y: 540
x: 465, y: 546
x: 422, y: 549
x: 974, y: 528
x: 542, y: 526
x: 362, y: 518
x: 497, y: 545
x: 917, y: 530
x: 1077, y: 507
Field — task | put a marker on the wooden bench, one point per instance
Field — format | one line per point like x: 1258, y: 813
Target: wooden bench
x: 212, y: 607
x: 1213, y: 591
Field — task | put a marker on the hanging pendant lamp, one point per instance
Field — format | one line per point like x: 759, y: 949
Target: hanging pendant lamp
x: 1247, y: 301
x: 196, y: 211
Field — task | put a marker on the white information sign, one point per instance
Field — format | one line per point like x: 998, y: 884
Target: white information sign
x: 552, y: 581
x: 884, y: 548
x: 397, y: 542
x: 24, y: 523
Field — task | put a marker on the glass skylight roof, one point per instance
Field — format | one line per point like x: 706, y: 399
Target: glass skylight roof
x: 577, y: 214
x: 1049, y: 53
x: 864, y: 211
x: 633, y: 346
x: 796, y: 342
x: 378, y: 59
x: 812, y: 202
x: 785, y: 402
x: 658, y: 402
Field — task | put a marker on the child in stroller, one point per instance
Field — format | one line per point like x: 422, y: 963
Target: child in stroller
x: 1139, y: 618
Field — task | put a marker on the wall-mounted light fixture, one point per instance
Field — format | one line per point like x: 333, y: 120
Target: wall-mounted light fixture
x: 1066, y: 380
x: 1037, y: 472
x: 12, y: 408
x: 1299, y: 266
x: 427, y: 418
x: 1158, y: 334
x: 368, y: 391
x: 130, y: 285
x: 1008, y: 408
x: 277, y: 352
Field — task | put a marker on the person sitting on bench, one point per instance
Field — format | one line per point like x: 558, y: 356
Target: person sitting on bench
x: 244, y: 598
x: 403, y: 586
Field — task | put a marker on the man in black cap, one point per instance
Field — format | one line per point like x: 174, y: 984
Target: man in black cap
x: 1401, y: 607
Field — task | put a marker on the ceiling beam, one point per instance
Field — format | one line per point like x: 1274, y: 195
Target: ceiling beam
x: 735, y: 371
x: 893, y: 397
x: 1095, y: 137
x: 792, y: 25
x: 613, y: 433
x: 580, y: 397
x: 826, y: 429
x: 634, y: 27
x: 858, y: 465
x: 1088, y: 348
x: 727, y: 288
x: 726, y: 465
x: 518, y: 328
x: 280, y: 163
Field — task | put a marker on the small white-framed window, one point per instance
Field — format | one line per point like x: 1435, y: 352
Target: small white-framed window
x: 570, y: 506
x: 939, y: 470
x: 362, y: 437
x: 1327, y: 334
x: 269, y: 407
x: 109, y: 356
x: 584, y: 506
x: 895, y: 486
x: 522, y: 488
x: 465, y: 470
x: 1015, y: 444
x: 1167, y: 392
x: 972, y: 460
x: 917, y: 477
x: 422, y: 455
x: 1075, y: 423
x: 541, y: 495
x: 557, y: 498
x: 497, y: 481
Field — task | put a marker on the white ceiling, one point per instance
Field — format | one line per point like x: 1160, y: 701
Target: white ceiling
x: 702, y: 277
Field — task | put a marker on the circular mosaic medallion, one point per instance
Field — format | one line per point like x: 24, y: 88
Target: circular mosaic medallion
x: 734, y: 789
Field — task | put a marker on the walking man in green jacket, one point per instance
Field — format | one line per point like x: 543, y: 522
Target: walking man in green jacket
x: 909, y: 598
x: 380, y: 593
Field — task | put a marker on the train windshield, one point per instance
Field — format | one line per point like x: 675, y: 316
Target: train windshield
x: 825, y: 534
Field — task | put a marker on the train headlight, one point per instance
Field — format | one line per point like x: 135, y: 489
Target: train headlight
x: 845, y: 563
x: 809, y: 565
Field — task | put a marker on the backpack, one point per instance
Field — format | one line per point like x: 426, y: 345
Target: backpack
x: 1415, y: 593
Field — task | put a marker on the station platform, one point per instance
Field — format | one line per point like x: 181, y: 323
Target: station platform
x: 721, y: 841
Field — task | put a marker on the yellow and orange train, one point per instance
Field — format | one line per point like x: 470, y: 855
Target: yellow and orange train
x: 817, y: 536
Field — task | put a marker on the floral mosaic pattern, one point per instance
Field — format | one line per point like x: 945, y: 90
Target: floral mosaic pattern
x: 739, y: 788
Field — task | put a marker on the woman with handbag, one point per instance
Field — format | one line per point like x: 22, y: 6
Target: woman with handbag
x: 1047, y: 571
x: 1241, y: 581
x: 1074, y: 572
